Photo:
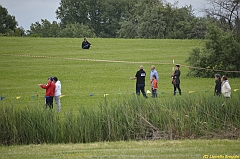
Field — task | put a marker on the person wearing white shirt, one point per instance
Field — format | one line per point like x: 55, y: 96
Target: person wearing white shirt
x: 226, y: 88
x: 57, y: 93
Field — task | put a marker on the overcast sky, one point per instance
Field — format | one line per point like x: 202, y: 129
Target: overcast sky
x: 27, y: 12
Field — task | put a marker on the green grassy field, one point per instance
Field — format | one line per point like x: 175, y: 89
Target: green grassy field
x: 184, y: 149
x: 25, y: 62
x: 104, y: 69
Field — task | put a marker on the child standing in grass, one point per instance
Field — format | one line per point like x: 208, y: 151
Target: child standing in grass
x: 154, y: 86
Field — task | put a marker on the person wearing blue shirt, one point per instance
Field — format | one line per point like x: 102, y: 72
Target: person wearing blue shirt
x: 153, y: 72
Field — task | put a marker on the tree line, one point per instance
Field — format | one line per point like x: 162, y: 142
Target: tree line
x: 122, y: 19
x: 155, y: 19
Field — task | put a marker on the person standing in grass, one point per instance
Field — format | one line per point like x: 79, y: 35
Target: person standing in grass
x: 50, y: 90
x: 153, y: 72
x: 176, y: 80
x: 154, y: 86
x: 218, y: 85
x: 140, y: 83
x: 57, y: 93
x: 226, y: 88
x: 86, y: 44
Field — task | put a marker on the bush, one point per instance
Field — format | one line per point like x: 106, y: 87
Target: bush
x: 221, y: 54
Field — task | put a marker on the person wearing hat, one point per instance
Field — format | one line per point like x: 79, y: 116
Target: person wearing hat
x: 50, y: 90
x: 176, y: 80
x: 218, y: 85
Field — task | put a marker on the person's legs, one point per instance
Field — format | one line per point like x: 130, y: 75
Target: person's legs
x: 49, y: 102
x: 142, y: 87
x: 86, y: 47
x: 137, y: 89
x: 174, y: 89
x: 154, y: 93
x: 152, y: 90
x: 57, y: 100
x: 179, y: 89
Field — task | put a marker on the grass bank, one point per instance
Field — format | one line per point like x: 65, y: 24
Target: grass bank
x: 181, y: 149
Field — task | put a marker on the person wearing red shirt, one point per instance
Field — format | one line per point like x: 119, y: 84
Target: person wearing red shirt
x: 50, y: 91
x: 154, y: 86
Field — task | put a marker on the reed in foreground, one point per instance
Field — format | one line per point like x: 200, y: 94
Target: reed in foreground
x: 128, y: 118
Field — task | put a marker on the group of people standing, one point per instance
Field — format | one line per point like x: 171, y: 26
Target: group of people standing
x: 154, y: 78
x: 53, y: 90
x: 222, y: 86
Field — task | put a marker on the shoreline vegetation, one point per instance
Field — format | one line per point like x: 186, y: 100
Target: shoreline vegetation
x: 133, y: 118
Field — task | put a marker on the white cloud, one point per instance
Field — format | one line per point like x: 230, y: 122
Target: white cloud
x: 27, y: 12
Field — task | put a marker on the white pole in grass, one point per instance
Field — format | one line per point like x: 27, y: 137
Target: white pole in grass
x: 172, y: 65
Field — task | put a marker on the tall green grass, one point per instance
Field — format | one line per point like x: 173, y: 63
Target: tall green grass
x: 129, y: 118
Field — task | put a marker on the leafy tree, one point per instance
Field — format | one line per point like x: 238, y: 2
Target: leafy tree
x: 227, y: 14
x: 198, y: 28
x: 181, y: 23
x: 158, y: 20
x: 82, y: 12
x: 44, y: 29
x: 54, y: 29
x: 128, y: 19
x: 73, y: 11
x: 7, y: 22
x: 35, y: 30
x: 151, y: 24
x: 19, y: 31
x: 145, y: 20
x: 76, y: 31
x: 221, y: 54
x: 103, y: 16
x: 128, y: 28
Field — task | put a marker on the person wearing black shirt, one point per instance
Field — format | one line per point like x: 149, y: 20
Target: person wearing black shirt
x: 140, y: 83
x: 86, y: 44
x: 218, y: 85
x: 176, y: 80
